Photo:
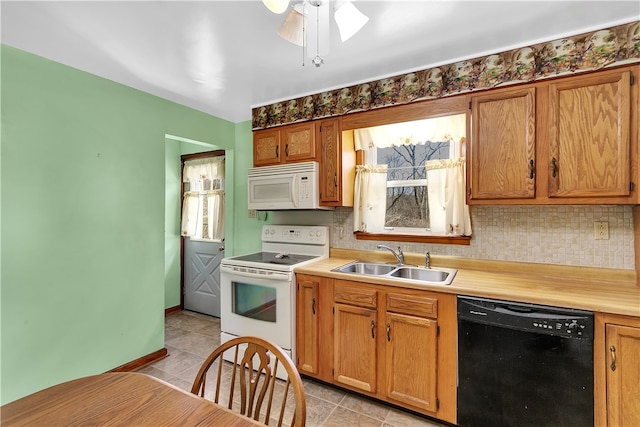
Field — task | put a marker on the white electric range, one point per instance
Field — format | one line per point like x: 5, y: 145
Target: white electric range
x: 257, y: 290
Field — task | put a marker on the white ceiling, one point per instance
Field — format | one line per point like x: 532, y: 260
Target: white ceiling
x: 224, y: 57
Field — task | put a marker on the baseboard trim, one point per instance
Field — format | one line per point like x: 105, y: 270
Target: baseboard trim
x: 143, y: 361
x: 171, y: 310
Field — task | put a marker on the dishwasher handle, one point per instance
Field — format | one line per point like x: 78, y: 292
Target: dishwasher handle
x: 541, y: 319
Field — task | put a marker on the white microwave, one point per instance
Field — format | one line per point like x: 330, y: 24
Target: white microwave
x: 284, y: 187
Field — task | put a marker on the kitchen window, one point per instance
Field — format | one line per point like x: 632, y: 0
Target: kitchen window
x: 413, y: 178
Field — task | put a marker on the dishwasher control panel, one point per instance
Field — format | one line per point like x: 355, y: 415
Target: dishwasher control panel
x: 527, y: 317
x: 576, y: 327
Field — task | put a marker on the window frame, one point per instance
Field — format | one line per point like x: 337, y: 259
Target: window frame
x: 458, y: 104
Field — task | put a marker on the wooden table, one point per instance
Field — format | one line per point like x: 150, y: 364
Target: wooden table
x: 117, y: 398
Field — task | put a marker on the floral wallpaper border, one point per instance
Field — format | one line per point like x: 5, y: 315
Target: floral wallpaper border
x: 585, y: 52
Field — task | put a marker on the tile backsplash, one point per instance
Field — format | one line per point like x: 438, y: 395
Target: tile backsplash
x: 541, y: 234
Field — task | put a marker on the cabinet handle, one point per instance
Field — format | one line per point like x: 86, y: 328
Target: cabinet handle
x: 286, y: 150
x: 313, y: 306
x: 531, y: 169
x: 612, y: 349
x: 554, y: 167
x: 335, y: 179
x: 373, y: 329
x: 388, y: 332
x: 277, y: 151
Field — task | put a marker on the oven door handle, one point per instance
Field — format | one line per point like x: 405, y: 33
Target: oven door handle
x: 270, y: 276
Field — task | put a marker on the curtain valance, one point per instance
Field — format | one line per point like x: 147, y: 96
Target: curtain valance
x: 438, y: 129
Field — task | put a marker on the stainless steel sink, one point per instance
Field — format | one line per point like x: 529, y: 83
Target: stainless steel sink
x: 369, y: 268
x: 439, y: 276
x: 423, y: 274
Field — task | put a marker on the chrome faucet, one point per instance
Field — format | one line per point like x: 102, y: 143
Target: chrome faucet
x: 427, y: 260
x: 399, y: 255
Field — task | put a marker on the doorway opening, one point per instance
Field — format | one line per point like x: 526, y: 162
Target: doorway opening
x: 202, y: 230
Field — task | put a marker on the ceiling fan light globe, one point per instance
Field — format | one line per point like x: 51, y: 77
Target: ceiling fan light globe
x: 276, y: 6
x: 349, y: 20
x: 292, y: 29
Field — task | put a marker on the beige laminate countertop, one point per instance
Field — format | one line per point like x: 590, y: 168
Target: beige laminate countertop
x: 596, y: 289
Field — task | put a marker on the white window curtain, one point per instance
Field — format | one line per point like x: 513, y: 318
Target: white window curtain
x: 370, y: 198
x: 203, y: 202
x: 448, y: 211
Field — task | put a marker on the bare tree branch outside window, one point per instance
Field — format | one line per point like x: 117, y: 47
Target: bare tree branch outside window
x: 407, y: 204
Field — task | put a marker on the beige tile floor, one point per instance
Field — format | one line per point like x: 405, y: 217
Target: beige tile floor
x: 190, y: 337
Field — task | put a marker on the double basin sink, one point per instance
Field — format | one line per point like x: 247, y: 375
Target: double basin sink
x: 431, y: 276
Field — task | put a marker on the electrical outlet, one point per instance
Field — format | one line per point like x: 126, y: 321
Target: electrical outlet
x: 601, y: 230
x: 252, y: 213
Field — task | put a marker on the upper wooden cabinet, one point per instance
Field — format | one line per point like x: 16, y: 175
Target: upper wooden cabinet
x: 589, y: 132
x: 337, y: 161
x: 571, y: 140
x: 286, y: 144
x: 266, y: 147
x: 503, y: 149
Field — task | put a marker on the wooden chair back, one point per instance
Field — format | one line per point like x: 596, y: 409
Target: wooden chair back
x: 254, y: 374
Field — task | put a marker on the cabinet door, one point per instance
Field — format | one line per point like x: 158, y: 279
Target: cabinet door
x: 411, y: 359
x: 307, y: 308
x: 266, y: 147
x: 623, y: 374
x: 503, y: 145
x: 299, y: 142
x: 355, y: 347
x: 330, y: 179
x: 589, y: 135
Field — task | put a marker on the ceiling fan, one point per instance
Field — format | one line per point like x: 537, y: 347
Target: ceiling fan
x: 312, y: 17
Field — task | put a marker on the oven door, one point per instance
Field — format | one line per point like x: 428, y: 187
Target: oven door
x: 258, y: 304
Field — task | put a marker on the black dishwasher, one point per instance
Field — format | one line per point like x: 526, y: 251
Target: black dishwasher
x: 523, y: 365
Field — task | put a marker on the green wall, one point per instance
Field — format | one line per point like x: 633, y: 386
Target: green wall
x: 247, y: 231
x: 83, y: 193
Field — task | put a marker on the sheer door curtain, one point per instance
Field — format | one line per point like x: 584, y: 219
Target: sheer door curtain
x: 446, y: 178
x: 203, y: 199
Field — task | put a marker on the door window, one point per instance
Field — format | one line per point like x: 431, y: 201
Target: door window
x: 203, y: 199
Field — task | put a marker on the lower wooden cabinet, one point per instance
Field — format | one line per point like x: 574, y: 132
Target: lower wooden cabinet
x: 355, y: 352
x: 617, y: 370
x: 411, y: 335
x: 394, y: 344
x: 307, y: 324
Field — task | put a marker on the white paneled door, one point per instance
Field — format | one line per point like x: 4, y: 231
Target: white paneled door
x: 202, y: 276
